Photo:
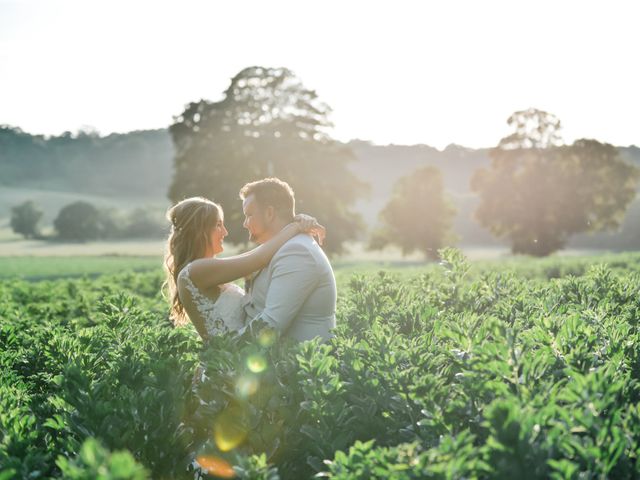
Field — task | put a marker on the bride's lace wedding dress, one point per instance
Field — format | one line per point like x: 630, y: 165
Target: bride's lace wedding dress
x: 222, y: 315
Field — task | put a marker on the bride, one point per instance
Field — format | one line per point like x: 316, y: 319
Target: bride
x: 200, y: 283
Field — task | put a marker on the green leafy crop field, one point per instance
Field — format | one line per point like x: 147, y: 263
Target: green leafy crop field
x: 496, y: 369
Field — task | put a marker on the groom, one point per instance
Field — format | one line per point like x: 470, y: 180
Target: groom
x: 296, y: 292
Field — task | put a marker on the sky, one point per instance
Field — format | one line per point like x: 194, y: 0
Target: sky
x: 394, y: 72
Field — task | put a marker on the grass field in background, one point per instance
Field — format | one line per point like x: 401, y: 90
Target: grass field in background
x: 52, y: 267
x: 43, y: 268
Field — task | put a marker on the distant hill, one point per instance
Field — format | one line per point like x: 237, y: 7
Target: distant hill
x: 140, y: 165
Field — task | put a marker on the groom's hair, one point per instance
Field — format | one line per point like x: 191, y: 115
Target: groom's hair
x: 272, y: 192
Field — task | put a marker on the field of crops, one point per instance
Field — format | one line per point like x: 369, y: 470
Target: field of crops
x: 504, y: 369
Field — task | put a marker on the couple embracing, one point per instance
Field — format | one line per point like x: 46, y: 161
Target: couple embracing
x: 289, y: 283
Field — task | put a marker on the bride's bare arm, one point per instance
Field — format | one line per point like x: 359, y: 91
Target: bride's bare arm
x: 208, y: 272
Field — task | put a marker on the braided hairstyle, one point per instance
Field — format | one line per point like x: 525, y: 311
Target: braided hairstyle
x: 192, y: 220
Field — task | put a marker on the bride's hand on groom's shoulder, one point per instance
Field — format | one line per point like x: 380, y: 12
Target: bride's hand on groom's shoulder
x: 310, y: 225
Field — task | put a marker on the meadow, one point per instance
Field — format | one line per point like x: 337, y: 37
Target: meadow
x: 508, y: 368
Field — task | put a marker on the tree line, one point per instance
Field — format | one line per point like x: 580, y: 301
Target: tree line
x: 536, y: 193
x: 82, y: 221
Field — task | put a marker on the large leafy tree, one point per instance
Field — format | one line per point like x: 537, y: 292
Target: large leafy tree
x: 25, y: 218
x: 267, y: 124
x: 418, y: 216
x: 537, y: 193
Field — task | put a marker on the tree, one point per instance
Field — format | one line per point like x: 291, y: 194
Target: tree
x: 418, y: 215
x: 144, y: 222
x: 537, y: 193
x: 267, y: 124
x: 25, y: 218
x: 78, y: 221
x: 533, y: 128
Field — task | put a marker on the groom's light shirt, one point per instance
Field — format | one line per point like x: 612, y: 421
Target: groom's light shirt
x: 296, y: 292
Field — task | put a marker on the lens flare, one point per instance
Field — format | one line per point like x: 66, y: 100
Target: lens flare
x: 267, y: 337
x: 216, y: 466
x: 256, y: 363
x: 229, y: 430
x: 247, y: 386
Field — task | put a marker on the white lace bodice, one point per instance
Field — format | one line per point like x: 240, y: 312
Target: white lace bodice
x: 223, y: 315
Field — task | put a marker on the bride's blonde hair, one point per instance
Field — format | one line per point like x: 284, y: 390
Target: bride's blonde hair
x: 192, y: 220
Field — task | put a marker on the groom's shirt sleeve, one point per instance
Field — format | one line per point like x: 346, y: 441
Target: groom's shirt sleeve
x: 294, y: 277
